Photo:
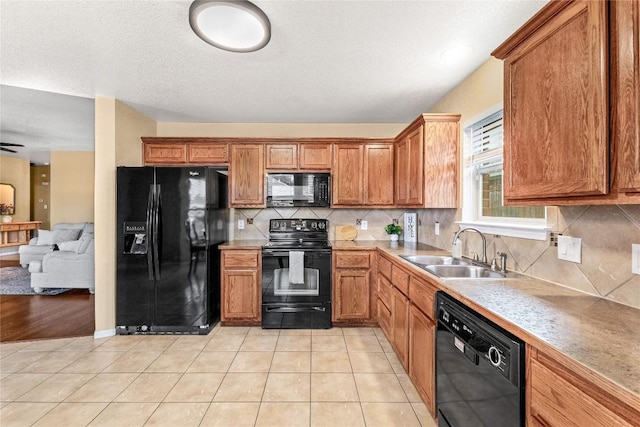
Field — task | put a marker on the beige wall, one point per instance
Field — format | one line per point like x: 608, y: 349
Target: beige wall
x: 118, y: 132
x: 71, y: 186
x: 15, y: 171
x: 130, y: 126
x: 281, y: 130
x: 607, y: 232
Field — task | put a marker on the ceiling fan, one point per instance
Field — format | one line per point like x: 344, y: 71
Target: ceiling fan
x: 7, y: 144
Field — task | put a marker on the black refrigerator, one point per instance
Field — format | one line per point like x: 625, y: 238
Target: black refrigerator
x: 170, y: 222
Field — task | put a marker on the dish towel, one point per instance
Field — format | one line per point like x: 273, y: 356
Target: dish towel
x: 296, y: 267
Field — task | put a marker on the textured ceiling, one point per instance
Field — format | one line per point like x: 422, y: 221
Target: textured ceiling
x: 328, y: 61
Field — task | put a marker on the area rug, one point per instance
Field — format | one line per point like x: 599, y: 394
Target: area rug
x: 17, y: 281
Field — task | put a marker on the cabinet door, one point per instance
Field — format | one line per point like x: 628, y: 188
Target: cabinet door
x: 240, y: 295
x: 400, y: 322
x: 208, y: 154
x: 348, y: 175
x: 351, y: 296
x: 246, y: 175
x: 378, y: 174
x: 421, y: 356
x: 625, y: 93
x: 558, y: 397
x: 315, y: 156
x: 441, y: 164
x: 409, y: 169
x: 282, y: 156
x: 163, y: 154
x: 555, y: 106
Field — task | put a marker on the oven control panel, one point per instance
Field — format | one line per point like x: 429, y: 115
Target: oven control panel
x: 299, y: 225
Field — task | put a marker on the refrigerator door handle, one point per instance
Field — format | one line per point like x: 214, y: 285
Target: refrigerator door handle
x: 150, y: 203
x: 156, y: 231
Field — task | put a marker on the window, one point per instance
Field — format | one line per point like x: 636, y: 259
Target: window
x: 483, y: 182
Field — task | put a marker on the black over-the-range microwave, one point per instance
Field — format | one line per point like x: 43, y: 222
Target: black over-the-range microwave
x: 298, y: 189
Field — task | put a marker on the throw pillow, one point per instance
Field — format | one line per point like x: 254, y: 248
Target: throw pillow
x: 45, y: 237
x: 71, y: 246
x: 65, y: 235
x: 85, y: 241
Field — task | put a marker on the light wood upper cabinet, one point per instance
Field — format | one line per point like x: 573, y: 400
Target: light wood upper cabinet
x: 362, y: 174
x: 348, y: 174
x: 184, y: 151
x: 625, y: 93
x: 561, y: 144
x: 165, y: 154
x: 427, y: 163
x: 378, y: 174
x: 315, y: 156
x: 246, y: 176
x: 281, y: 156
x: 299, y: 156
x: 208, y: 154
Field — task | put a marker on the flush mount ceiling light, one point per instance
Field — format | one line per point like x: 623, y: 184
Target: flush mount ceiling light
x: 236, y: 26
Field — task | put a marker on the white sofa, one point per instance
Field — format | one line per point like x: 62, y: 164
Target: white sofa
x: 43, y: 243
x: 72, y: 266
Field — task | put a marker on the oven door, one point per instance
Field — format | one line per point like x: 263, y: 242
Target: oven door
x: 296, y: 276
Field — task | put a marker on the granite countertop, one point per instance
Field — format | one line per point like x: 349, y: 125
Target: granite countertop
x: 601, y: 335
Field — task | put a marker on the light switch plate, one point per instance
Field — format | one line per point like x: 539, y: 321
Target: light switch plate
x: 241, y: 224
x: 635, y: 258
x: 364, y: 224
x: 570, y: 249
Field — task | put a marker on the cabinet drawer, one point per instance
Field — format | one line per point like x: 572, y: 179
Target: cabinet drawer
x: 238, y: 259
x: 421, y: 295
x: 12, y: 227
x: 384, y: 291
x: 352, y: 259
x: 400, y: 279
x: 28, y: 227
x: 384, y: 267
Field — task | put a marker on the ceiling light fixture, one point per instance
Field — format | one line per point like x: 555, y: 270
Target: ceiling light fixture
x: 236, y: 26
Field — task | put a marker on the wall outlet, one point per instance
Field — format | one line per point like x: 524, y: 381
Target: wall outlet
x: 436, y: 229
x: 635, y: 258
x: 241, y: 224
x: 364, y: 224
x: 570, y: 249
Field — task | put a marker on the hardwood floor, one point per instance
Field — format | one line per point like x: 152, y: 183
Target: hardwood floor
x: 33, y: 317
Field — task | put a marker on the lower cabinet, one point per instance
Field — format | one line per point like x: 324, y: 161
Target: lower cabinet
x: 557, y: 396
x: 422, y: 355
x: 241, y: 287
x: 400, y: 322
x: 351, y: 293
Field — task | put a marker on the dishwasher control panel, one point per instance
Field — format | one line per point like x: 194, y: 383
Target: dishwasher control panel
x: 479, y: 339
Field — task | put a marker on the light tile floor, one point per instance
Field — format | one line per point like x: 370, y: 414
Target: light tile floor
x: 235, y: 376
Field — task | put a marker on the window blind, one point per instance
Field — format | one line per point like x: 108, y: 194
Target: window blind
x: 486, y: 139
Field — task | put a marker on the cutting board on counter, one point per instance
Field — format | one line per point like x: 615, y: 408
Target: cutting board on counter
x: 346, y: 232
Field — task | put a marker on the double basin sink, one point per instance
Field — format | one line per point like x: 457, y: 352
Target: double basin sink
x: 449, y: 267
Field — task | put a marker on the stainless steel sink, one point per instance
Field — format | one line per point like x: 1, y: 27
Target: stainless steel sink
x: 470, y: 271
x: 426, y: 260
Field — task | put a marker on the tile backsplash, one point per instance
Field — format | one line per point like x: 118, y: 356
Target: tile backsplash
x: 607, y: 233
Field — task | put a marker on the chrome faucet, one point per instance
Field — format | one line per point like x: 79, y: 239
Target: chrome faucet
x: 484, y: 241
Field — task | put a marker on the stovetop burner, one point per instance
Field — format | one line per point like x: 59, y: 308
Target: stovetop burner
x: 298, y: 233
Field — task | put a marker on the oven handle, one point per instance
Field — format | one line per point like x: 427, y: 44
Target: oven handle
x: 293, y: 309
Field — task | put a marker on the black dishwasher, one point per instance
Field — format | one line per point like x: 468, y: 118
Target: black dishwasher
x: 480, y: 375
